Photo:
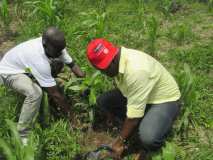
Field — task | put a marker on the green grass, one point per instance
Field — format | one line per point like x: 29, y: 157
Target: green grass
x: 181, y: 41
x: 4, y: 14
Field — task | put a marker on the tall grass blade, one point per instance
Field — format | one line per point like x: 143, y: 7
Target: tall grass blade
x: 4, y: 13
x: 8, y: 153
x: 15, y: 137
x: 152, y: 35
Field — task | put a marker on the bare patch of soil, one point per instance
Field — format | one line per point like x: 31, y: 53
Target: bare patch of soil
x: 91, y: 140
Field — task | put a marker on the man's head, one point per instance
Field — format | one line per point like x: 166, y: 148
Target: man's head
x: 104, y: 56
x: 53, y: 41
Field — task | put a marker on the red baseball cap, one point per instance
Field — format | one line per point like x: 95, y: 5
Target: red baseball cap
x: 100, y: 53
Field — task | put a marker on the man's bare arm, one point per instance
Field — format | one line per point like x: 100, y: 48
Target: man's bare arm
x: 59, y: 99
x: 76, y: 70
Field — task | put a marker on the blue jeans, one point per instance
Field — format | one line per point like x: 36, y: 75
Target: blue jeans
x: 155, y: 124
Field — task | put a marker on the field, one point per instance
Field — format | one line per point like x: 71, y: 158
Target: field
x: 177, y: 33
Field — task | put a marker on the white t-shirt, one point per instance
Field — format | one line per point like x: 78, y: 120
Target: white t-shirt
x: 30, y: 55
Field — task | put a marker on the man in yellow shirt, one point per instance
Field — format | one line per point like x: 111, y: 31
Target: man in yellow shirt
x: 146, y: 97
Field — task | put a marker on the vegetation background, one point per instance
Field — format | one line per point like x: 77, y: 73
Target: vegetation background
x: 179, y: 33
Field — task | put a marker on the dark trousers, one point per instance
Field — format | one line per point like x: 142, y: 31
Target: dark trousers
x: 155, y: 124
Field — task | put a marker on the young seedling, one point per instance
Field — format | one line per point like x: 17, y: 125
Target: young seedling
x: 181, y: 34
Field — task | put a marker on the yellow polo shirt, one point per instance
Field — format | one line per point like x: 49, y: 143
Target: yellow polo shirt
x: 143, y: 80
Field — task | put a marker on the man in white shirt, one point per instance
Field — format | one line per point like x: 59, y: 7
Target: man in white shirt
x: 35, y: 56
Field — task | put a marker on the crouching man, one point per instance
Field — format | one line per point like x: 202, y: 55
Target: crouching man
x: 35, y: 56
x: 146, y: 97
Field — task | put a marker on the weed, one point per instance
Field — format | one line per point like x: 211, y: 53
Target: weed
x: 141, y: 13
x: 19, y: 9
x: 210, y: 5
x: 170, y: 151
x: 188, y: 97
x: 57, y: 142
x: 4, y: 14
x: 14, y: 150
x: 199, y: 57
x: 181, y: 34
x: 102, y: 6
x: 152, y: 25
x: 165, y: 7
x: 32, y: 29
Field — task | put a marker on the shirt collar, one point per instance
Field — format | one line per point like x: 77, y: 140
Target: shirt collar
x: 41, y: 49
x: 122, y: 62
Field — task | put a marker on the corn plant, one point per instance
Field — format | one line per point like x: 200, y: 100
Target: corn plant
x: 188, y: 97
x: 152, y: 29
x: 47, y: 10
x: 165, y: 6
x: 169, y: 6
x: 4, y: 14
x: 13, y: 148
x: 181, y: 34
x: 94, y: 22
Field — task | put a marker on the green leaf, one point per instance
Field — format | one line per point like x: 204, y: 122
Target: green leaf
x: 15, y: 134
x: 156, y: 157
x: 75, y: 88
x: 169, y: 152
x: 7, y: 150
x: 92, y: 97
x: 29, y: 153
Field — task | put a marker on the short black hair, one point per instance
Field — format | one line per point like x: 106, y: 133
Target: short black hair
x: 55, y: 37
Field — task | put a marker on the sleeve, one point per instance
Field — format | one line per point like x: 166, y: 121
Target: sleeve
x: 42, y: 73
x: 139, y: 86
x: 65, y: 57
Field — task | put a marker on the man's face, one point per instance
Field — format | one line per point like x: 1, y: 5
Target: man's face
x: 111, y: 70
x: 51, y: 51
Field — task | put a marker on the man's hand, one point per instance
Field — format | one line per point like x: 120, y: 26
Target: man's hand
x: 118, y: 148
x: 76, y: 70
x: 59, y: 99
